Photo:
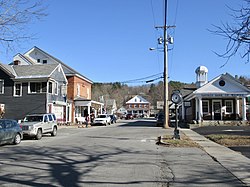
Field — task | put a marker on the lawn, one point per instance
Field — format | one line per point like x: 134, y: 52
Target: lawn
x: 229, y: 140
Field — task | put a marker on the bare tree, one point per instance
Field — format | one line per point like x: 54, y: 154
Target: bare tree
x: 236, y: 33
x: 15, y: 15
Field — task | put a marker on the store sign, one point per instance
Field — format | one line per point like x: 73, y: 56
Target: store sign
x: 223, y: 95
x: 160, y: 104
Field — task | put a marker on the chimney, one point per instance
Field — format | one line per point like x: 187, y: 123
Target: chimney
x: 17, y: 62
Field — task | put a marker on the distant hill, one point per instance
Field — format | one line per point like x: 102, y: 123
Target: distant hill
x: 122, y: 92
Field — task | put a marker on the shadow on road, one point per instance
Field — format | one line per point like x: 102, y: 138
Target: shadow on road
x: 139, y: 123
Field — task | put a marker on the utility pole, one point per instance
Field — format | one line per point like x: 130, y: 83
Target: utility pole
x: 166, y: 40
x: 165, y: 43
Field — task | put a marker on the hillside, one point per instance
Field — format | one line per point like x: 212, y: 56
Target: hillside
x: 122, y: 92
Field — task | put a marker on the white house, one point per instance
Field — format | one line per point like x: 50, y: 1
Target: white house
x: 138, y: 106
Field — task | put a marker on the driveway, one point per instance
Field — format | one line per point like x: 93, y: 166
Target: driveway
x: 228, y: 130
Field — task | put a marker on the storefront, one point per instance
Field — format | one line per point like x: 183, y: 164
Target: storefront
x: 222, y: 99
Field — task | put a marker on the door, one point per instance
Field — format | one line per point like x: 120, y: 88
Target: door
x: 217, y: 110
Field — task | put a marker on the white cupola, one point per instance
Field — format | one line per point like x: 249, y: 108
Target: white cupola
x: 201, y: 76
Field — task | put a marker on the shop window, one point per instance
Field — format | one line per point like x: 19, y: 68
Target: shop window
x: 229, y: 106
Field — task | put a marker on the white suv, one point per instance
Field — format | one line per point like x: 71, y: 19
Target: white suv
x: 103, y: 119
x: 35, y: 125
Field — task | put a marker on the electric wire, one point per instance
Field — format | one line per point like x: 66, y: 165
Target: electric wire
x: 144, y: 79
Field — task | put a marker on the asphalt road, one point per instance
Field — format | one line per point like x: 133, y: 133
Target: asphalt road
x: 228, y: 130
x: 124, y: 154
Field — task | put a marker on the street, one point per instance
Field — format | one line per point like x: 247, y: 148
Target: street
x: 123, y: 154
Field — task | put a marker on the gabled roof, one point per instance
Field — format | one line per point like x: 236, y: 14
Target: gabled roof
x: 67, y: 70
x: 24, y: 58
x: 137, y: 99
x: 25, y: 71
x: 231, y: 87
x: 36, y: 71
x: 7, y: 69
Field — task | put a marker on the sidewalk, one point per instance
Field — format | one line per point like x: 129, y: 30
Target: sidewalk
x: 234, y: 162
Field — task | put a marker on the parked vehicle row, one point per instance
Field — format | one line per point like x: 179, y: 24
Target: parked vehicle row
x: 34, y: 126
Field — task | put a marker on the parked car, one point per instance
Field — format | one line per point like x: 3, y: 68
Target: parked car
x: 160, y: 120
x: 10, y: 132
x: 35, y: 125
x: 103, y: 119
x: 113, y: 118
x: 129, y: 116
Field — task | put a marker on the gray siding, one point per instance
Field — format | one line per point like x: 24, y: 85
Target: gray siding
x: 17, y: 107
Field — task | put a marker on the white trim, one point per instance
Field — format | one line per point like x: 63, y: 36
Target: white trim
x: 21, y: 89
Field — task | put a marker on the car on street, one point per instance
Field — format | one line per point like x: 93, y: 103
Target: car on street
x: 10, y: 132
x: 35, y: 125
x: 129, y: 116
x: 160, y: 119
x: 103, y: 119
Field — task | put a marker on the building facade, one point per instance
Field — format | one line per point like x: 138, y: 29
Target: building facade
x: 28, y: 89
x: 138, y: 106
x: 78, y: 90
x: 222, y: 99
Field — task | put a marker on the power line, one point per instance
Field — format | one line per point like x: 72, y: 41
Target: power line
x: 144, y: 79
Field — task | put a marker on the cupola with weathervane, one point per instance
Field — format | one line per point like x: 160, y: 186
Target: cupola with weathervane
x: 201, y: 76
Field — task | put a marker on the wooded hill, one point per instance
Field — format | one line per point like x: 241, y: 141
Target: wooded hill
x: 151, y: 92
x: 122, y: 92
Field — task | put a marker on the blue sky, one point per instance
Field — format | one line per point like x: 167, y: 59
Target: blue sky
x: 109, y: 40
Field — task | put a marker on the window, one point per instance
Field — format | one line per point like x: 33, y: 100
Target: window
x: 1, y: 86
x: 205, y: 107
x: 38, y: 60
x: 56, y: 88
x: 18, y: 89
x: 44, y: 87
x: 50, y: 117
x: 222, y: 83
x: 44, y: 61
x: 37, y: 87
x: 78, y: 90
x: 50, y: 87
x: 229, y: 106
x: 88, y: 95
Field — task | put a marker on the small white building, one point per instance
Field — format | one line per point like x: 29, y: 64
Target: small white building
x: 222, y: 99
